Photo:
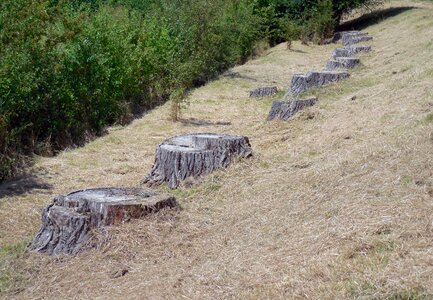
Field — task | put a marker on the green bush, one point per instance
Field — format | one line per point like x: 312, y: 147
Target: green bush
x: 68, y: 69
x: 319, y: 23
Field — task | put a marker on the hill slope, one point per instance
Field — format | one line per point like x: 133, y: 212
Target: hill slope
x: 337, y: 203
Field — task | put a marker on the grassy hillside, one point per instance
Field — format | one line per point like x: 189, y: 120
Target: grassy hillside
x: 336, y: 203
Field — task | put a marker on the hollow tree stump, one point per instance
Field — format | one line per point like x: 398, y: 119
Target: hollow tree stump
x: 301, y: 83
x: 195, y: 155
x: 67, y: 223
x: 342, y: 63
x: 263, y: 92
x: 284, y: 110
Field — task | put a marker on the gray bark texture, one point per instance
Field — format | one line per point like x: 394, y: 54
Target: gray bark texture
x: 231, y: 74
x: 349, y: 51
x: 358, y: 49
x: 342, y: 63
x: 67, y: 223
x: 263, y: 92
x: 301, y: 83
x: 341, y: 52
x: 349, y: 40
x: 195, y: 155
x: 339, y: 34
x: 284, y: 110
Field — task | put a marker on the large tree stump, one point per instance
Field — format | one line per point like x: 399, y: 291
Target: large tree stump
x: 284, y: 110
x: 264, y: 92
x: 195, y: 155
x: 342, y: 63
x: 68, y: 221
x: 349, y: 40
x: 301, y: 83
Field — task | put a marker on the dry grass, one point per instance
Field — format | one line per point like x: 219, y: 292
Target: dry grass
x: 336, y: 204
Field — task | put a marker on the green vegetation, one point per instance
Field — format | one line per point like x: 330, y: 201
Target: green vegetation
x: 70, y: 68
x: 8, y: 255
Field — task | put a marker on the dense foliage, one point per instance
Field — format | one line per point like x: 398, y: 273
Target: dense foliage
x: 70, y: 68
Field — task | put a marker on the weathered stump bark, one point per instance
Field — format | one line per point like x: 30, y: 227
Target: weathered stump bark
x: 348, y: 40
x: 264, y: 92
x: 342, y: 63
x: 195, y: 155
x: 231, y: 74
x: 340, y: 52
x: 358, y: 49
x: 284, y: 110
x: 349, y: 51
x: 301, y: 83
x: 68, y: 221
x: 339, y: 34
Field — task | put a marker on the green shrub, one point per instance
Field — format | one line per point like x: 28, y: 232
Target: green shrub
x: 319, y: 23
x: 68, y: 69
x: 292, y: 32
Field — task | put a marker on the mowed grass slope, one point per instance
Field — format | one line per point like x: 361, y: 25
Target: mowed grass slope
x: 336, y: 203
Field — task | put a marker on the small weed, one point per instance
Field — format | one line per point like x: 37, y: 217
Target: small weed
x: 280, y: 94
x: 403, y: 295
x: 264, y: 164
x: 14, y: 250
x: 429, y: 118
x: 10, y: 255
x: 313, y: 153
x: 406, y: 179
x: 428, y: 73
x: 181, y: 193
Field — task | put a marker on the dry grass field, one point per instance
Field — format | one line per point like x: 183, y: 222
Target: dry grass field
x: 336, y: 203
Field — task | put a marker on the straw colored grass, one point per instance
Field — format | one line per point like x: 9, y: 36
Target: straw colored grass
x: 336, y: 204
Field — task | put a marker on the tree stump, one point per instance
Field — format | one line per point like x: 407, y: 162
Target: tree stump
x: 339, y: 34
x: 195, y: 155
x: 284, y: 110
x: 340, y: 52
x: 68, y: 221
x: 349, y: 51
x: 301, y: 83
x: 264, y: 92
x: 231, y: 74
x: 342, y: 63
x: 353, y: 50
x: 349, y: 40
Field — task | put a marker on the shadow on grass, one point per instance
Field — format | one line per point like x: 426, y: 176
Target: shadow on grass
x: 373, y: 18
x: 22, y: 185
